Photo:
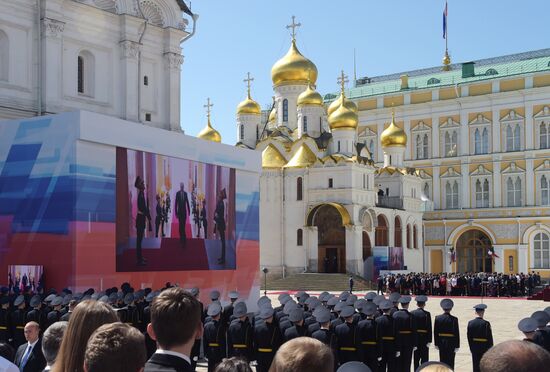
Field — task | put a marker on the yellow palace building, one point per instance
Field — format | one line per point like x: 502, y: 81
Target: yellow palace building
x: 479, y: 135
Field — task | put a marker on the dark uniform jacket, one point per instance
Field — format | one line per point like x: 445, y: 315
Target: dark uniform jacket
x: 404, y: 330
x: 347, y: 337
x: 267, y: 340
x: 167, y: 363
x: 18, y: 321
x: 423, y: 324
x: 480, y: 336
x: 446, y: 332
x: 214, y: 343
x: 367, y: 338
x: 239, y: 339
x: 295, y: 331
x: 5, y: 325
x: 385, y: 334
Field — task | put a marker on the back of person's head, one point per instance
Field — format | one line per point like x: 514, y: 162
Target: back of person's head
x: 433, y: 367
x: 6, y: 351
x: 233, y: 365
x: 87, y: 316
x: 115, y: 347
x: 515, y: 356
x: 303, y: 354
x: 175, y: 318
x: 51, y: 340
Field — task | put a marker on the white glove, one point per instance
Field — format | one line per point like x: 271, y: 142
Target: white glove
x: 456, y: 350
x: 415, y: 348
x: 397, y: 354
x: 379, y: 359
x: 436, y: 348
x: 429, y: 344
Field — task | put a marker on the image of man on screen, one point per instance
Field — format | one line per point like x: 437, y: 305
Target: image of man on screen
x: 142, y: 214
x: 219, y: 219
x: 182, y: 210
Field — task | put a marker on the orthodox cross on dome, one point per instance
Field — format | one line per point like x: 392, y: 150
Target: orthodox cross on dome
x: 293, y: 26
x: 248, y: 80
x: 342, y: 80
x: 208, y: 106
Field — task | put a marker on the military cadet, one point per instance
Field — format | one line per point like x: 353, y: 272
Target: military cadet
x: 423, y: 325
x: 337, y: 317
x: 377, y: 301
x: 214, y: 337
x: 385, y: 337
x: 447, y: 334
x: 227, y: 314
x: 18, y: 321
x: 298, y: 329
x: 367, y: 337
x: 405, y: 340
x: 480, y: 336
x: 54, y: 315
x: 72, y: 304
x: 324, y: 333
x: 284, y: 322
x: 36, y: 314
x: 370, y: 296
x: 267, y: 339
x: 528, y: 326
x: 542, y: 335
x: 240, y: 334
x: 5, y: 320
x: 347, y: 337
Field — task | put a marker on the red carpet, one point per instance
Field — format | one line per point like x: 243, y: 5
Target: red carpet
x: 170, y: 257
x: 362, y: 294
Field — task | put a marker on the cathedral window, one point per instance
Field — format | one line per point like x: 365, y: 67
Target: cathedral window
x: 146, y: 80
x: 427, y: 190
x: 85, y: 73
x: 300, y: 237
x: 285, y: 110
x: 304, y: 120
x: 299, y: 189
x: 4, y: 56
x: 482, y: 193
x: 398, y: 234
x: 381, y: 232
x: 451, y: 195
x: 330, y: 183
x: 513, y: 192
x: 257, y: 133
x: 541, y: 248
x: 545, y: 191
x: 513, y: 137
x: 544, y: 135
x: 148, y: 116
x: 241, y: 132
x: 415, y: 237
x: 371, y: 149
x: 338, y: 146
x: 409, y: 236
x: 80, y: 74
x: 451, y: 141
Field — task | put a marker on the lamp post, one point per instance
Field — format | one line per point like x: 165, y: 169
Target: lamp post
x: 265, y: 270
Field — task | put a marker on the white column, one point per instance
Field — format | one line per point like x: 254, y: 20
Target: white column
x: 380, y: 102
x: 436, y: 186
x: 354, y: 248
x: 529, y: 140
x: 523, y: 252
x: 407, y: 128
x: 529, y: 182
x: 311, y: 242
x: 435, y: 136
x: 52, y: 65
x: 495, y: 86
x: 464, y: 170
x: 464, y: 135
x: 496, y: 131
x: 174, y: 60
x: 497, y: 184
x: 500, y: 262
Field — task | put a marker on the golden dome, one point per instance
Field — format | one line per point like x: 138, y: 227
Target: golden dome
x: 310, y: 97
x: 293, y: 68
x: 343, y: 117
x: 249, y: 106
x: 272, y: 115
x: 209, y: 133
x: 393, y: 135
x: 337, y: 102
x: 272, y: 158
x: 303, y: 158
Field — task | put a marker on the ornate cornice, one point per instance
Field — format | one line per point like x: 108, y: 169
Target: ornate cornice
x: 129, y: 49
x: 52, y: 28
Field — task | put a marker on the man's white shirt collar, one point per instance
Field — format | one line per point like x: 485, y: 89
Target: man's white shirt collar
x: 174, y: 353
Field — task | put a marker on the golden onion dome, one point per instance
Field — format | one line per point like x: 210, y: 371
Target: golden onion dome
x: 337, y: 102
x: 272, y: 115
x: 310, y: 97
x: 272, y: 158
x: 343, y: 117
x: 393, y: 135
x: 249, y: 106
x: 209, y: 133
x: 303, y: 158
x: 293, y: 68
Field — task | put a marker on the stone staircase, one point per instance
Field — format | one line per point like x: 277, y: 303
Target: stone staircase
x: 317, y: 282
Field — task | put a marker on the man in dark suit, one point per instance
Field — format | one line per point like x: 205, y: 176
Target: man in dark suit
x: 29, y: 357
x: 142, y: 215
x: 175, y: 325
x: 182, y: 210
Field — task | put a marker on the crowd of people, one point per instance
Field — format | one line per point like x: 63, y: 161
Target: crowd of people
x: 460, y: 284
x: 170, y: 329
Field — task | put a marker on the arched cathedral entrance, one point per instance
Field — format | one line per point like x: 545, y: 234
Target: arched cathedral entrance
x: 328, y: 218
x: 472, y: 252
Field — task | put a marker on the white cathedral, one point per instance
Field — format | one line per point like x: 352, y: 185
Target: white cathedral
x: 324, y: 205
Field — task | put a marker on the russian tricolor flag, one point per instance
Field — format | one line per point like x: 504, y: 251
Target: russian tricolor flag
x: 445, y: 21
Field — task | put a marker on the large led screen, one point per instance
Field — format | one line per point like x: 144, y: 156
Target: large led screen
x: 173, y: 214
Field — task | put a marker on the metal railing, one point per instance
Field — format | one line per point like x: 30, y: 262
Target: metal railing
x: 394, y: 202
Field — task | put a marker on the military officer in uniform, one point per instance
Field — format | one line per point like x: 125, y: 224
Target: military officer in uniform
x: 214, y: 337
x: 528, y: 326
x: 367, y: 337
x: 267, y: 339
x: 406, y: 335
x: 423, y: 325
x: 55, y: 314
x: 480, y: 336
x: 385, y: 337
x: 227, y: 313
x: 347, y: 337
x: 36, y: 314
x: 447, y: 334
x: 542, y: 335
x: 298, y: 329
x: 324, y: 333
x: 18, y: 321
x: 394, y: 298
x: 5, y: 319
x: 240, y: 334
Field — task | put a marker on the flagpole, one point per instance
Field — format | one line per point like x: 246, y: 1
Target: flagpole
x: 446, y: 57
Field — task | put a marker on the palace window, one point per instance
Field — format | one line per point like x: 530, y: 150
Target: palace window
x: 299, y: 189
x: 513, y: 137
x: 285, y: 110
x: 451, y: 195
x: 541, y: 250
x: 422, y: 149
x: 481, y: 139
x: 299, y: 237
x: 545, y: 191
x: 544, y: 135
x: 4, y: 56
x: 304, y: 119
x: 482, y: 193
x: 451, y: 141
x: 513, y: 187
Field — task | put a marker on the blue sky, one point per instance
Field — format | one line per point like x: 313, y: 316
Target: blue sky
x: 389, y: 36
